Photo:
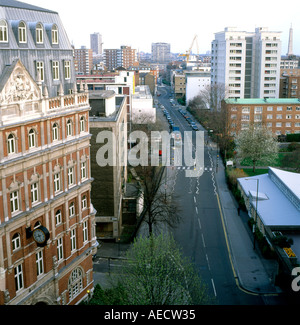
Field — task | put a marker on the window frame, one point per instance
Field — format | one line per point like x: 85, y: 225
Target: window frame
x: 34, y: 191
x: 3, y: 31
x: 55, y: 70
x: 11, y: 144
x: 39, y: 33
x: 14, y: 201
x: 22, y: 33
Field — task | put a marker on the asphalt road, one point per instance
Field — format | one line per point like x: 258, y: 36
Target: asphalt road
x: 201, y: 233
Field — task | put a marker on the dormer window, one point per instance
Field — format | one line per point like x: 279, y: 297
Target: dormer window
x: 39, y: 34
x: 22, y: 33
x: 3, y: 31
x: 54, y: 34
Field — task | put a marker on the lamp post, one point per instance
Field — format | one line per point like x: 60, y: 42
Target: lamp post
x: 255, y: 219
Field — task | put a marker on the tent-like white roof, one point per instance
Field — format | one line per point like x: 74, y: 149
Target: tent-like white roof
x: 279, y: 197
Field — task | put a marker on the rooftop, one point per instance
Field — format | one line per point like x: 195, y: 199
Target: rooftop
x: 22, y: 5
x: 262, y: 101
x: 279, y: 197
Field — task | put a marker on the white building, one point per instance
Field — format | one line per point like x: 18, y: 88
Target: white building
x: 143, y: 111
x: 196, y: 82
x: 247, y: 63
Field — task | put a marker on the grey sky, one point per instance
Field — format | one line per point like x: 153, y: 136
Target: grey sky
x: 138, y: 23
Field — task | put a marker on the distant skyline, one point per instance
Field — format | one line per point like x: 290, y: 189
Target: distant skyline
x: 138, y: 23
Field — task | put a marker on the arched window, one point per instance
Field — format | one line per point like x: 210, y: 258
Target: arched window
x: 22, y: 32
x: 58, y: 218
x: 55, y: 132
x: 69, y: 128
x: 82, y: 124
x: 16, y: 241
x: 75, y: 283
x: 54, y: 34
x: 31, y: 139
x: 39, y: 33
x: 3, y: 31
x: 11, y: 144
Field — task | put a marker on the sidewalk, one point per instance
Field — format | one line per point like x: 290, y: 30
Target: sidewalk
x: 254, y: 273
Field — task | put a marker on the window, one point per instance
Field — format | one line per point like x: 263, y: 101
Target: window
x: 75, y: 283
x: 54, y: 34
x: 279, y: 108
x: 246, y: 110
x: 34, y: 192
x: 55, y: 132
x: 84, y: 202
x: 40, y: 69
x: 72, y: 210
x: 83, y: 170
x: 279, y: 116
x: 55, y: 70
x: 69, y: 128
x: 39, y: 263
x: 16, y: 241
x: 3, y: 31
x: 67, y: 69
x: 82, y: 124
x: 58, y: 218
x: 71, y: 176
x: 269, y: 108
x: 56, y: 182
x: 39, y: 34
x: 257, y: 109
x: 85, y: 231
x: 269, y: 116
x: 73, y: 239
x: 22, y: 32
x: 11, y: 144
x: 19, y: 277
x: 60, y: 254
x: 31, y: 139
x: 278, y: 124
x: 14, y: 201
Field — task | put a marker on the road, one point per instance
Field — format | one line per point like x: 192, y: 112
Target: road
x: 201, y: 233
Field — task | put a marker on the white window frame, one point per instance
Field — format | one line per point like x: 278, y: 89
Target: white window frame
x: 40, y: 69
x: 58, y: 217
x: 71, y: 210
x: 84, y: 203
x: 60, y: 250
x: 34, y: 190
x: 73, y: 239
x: 19, y: 282
x: 39, y: 34
x: 71, y: 176
x: 83, y: 170
x: 67, y: 67
x: 56, y: 179
x: 16, y: 241
x: 85, y: 231
x: 55, y: 70
x: 22, y: 32
x: 3, y: 31
x: 31, y: 139
x: 54, y: 34
x: 69, y: 128
x: 39, y: 263
x: 14, y: 201
x: 82, y: 124
x: 11, y: 144
x: 55, y: 132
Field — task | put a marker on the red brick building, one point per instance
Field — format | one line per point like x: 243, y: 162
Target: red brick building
x: 47, y: 221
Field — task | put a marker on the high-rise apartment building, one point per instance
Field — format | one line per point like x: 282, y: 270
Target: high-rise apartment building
x: 83, y: 60
x: 116, y: 58
x: 47, y: 222
x: 96, y: 43
x: 247, y: 64
x: 161, y: 52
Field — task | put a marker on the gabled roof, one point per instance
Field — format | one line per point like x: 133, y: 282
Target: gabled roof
x: 22, y: 5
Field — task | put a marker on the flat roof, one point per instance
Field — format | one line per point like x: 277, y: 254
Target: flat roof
x: 262, y: 101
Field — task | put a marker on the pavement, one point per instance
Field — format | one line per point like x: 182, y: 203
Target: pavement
x: 253, y: 273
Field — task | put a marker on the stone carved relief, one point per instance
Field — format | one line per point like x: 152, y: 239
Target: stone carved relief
x: 19, y: 88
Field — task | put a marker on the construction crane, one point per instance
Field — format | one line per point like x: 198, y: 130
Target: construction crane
x: 189, y: 52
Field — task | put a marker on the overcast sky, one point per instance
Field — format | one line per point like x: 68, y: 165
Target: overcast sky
x: 138, y: 23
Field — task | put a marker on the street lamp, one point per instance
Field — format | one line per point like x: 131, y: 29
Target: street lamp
x: 255, y: 219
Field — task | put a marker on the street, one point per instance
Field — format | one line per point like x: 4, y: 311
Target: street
x: 201, y: 233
